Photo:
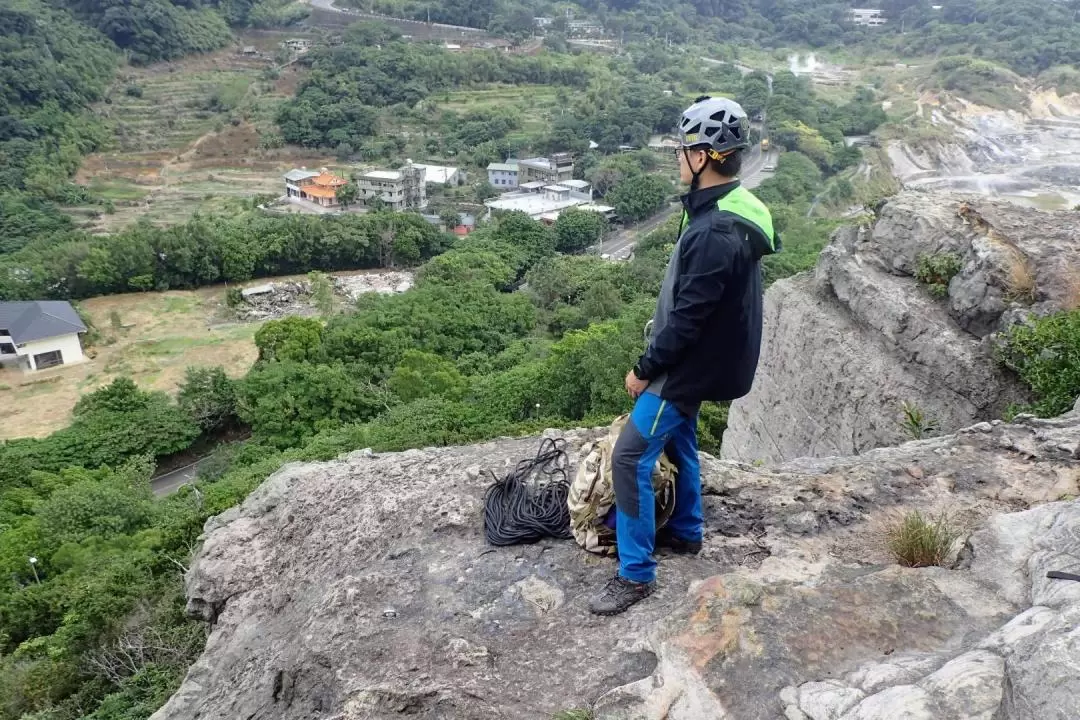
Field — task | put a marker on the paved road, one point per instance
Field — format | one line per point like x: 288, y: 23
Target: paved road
x: 170, y: 482
x: 622, y: 243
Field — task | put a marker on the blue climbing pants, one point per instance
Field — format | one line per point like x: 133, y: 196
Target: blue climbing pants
x: 655, y: 426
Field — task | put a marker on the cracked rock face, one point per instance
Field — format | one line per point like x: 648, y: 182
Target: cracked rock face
x: 362, y: 589
x: 845, y: 346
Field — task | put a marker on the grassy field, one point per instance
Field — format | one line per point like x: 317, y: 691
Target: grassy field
x: 151, y: 337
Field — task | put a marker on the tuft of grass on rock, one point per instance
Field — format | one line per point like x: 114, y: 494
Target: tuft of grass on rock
x: 918, y: 541
x: 915, y: 422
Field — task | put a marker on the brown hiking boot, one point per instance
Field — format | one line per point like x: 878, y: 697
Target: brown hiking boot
x: 619, y: 595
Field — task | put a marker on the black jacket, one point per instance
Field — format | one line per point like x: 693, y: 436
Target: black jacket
x: 709, y: 345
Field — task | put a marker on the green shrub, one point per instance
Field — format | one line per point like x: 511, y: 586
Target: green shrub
x: 915, y: 541
x: 1046, y: 356
x: 208, y: 397
x: 935, y: 271
x: 712, y: 421
x: 92, y: 336
x: 133, y: 91
x: 916, y: 423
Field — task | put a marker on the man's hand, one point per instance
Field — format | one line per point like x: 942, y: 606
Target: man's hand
x: 634, y: 386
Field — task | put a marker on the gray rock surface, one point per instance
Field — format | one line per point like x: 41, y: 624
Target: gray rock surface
x: 362, y: 589
x: 845, y: 346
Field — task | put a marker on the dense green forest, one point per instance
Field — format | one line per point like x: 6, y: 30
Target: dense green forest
x: 51, y: 67
x: 149, y: 30
x: 1029, y: 37
x: 206, y: 250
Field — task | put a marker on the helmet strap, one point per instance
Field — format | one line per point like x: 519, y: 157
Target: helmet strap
x: 696, y: 173
x: 712, y: 154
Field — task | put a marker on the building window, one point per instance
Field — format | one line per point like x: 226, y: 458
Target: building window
x: 48, y: 360
x: 7, y: 349
x: 4, y: 331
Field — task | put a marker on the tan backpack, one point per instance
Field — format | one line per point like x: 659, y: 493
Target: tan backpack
x: 592, y: 494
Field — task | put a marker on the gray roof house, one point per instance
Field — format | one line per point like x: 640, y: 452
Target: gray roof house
x: 40, y: 333
x: 296, y: 175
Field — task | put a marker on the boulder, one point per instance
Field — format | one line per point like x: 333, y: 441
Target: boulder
x: 362, y: 588
x: 845, y: 346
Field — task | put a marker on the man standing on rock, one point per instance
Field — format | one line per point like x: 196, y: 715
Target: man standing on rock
x: 704, y: 344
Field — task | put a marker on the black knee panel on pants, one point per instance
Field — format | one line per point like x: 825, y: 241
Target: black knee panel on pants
x: 624, y: 467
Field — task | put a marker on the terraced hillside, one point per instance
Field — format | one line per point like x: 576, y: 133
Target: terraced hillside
x: 192, y: 135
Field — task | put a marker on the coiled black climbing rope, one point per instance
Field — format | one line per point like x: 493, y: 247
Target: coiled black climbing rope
x: 529, y: 503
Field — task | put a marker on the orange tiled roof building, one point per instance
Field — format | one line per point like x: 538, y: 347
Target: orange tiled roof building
x: 317, y: 187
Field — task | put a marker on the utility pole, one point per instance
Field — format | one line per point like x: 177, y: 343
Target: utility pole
x: 33, y: 566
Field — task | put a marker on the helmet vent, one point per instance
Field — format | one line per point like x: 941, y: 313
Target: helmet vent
x: 719, y: 116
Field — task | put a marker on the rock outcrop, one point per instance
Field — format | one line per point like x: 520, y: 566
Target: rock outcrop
x: 362, y: 589
x: 846, y: 346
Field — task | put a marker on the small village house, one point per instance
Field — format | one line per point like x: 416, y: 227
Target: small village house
x: 503, y: 175
x: 867, y: 17
x: 517, y: 173
x: 400, y: 190
x: 584, y: 28
x: 297, y: 45
x: 550, y: 171
x: 40, y: 334
x: 317, y: 187
x: 466, y: 224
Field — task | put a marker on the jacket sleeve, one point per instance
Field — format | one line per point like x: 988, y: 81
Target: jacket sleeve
x: 706, y: 264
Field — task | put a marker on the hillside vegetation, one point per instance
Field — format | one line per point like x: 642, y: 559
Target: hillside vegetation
x: 980, y: 82
x: 1028, y: 37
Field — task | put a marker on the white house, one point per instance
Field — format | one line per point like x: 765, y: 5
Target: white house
x: 869, y: 17
x: 40, y: 334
